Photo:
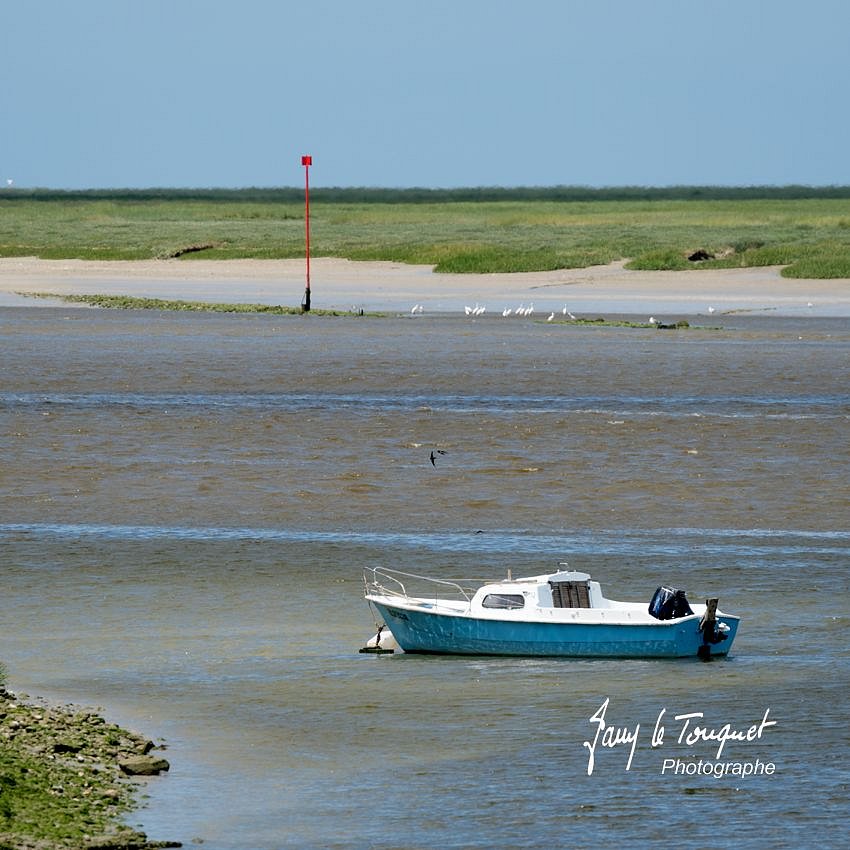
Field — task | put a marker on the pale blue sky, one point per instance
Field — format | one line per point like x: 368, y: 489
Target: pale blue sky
x: 435, y: 93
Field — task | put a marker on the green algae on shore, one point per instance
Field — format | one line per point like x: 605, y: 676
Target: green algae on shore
x: 129, y: 302
x: 63, y: 779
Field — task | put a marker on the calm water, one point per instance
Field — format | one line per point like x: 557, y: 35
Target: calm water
x: 188, y: 503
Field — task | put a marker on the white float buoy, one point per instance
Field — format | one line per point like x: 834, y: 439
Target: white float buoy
x: 382, y: 642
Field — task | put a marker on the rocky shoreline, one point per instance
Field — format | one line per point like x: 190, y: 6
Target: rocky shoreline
x: 65, y: 778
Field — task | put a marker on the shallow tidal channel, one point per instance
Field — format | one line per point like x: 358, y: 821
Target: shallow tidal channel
x: 189, y: 501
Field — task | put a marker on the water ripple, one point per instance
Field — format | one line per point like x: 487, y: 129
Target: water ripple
x: 667, y: 541
x: 630, y: 405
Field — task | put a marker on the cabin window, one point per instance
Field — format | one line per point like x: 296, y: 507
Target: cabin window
x: 508, y: 601
x: 570, y: 594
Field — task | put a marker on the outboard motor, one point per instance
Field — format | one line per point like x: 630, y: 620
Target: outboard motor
x: 712, y: 629
x: 668, y: 603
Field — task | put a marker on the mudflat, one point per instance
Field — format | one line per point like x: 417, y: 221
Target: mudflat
x: 346, y: 285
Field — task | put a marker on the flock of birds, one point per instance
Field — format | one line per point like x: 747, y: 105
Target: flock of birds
x: 522, y: 310
x: 480, y: 310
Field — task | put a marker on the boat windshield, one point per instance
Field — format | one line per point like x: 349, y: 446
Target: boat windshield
x: 507, y: 601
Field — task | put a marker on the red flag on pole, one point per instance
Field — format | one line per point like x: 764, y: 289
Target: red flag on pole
x: 307, y: 161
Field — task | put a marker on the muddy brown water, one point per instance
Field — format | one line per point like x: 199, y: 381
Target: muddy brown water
x: 188, y: 502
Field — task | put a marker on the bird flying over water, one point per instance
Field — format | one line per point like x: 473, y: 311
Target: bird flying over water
x: 434, y: 456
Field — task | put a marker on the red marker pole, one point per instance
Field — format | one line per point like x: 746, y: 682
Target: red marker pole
x: 307, y: 161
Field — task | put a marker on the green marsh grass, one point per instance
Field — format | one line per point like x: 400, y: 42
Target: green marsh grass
x: 456, y: 231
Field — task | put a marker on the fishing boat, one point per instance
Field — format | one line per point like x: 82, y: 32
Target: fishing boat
x: 563, y: 613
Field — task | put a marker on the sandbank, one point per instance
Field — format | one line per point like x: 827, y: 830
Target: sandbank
x: 382, y: 286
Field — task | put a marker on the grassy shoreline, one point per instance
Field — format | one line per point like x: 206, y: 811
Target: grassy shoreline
x: 457, y: 231
x: 63, y: 782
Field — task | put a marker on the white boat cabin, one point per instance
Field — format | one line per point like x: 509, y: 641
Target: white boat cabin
x: 565, y: 589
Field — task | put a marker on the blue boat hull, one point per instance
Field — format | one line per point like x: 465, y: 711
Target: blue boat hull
x: 432, y: 632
